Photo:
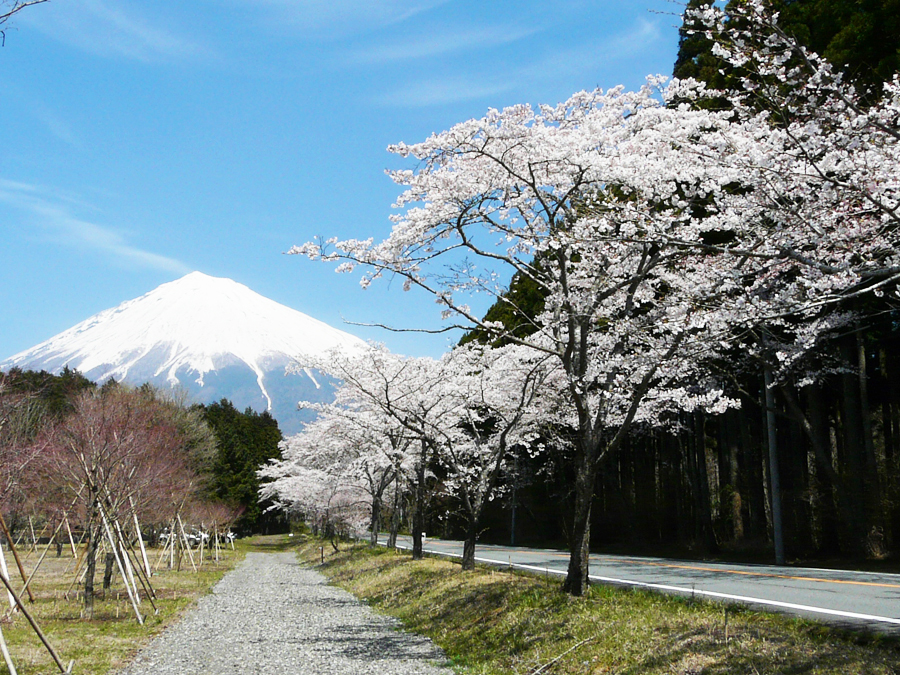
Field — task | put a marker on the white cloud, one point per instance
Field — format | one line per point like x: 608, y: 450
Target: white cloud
x: 577, y: 61
x: 442, y: 92
x: 53, y: 213
x: 440, y: 44
x: 339, y: 18
x: 114, y: 29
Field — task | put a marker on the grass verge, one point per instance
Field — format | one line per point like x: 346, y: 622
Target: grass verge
x: 109, y: 640
x: 490, y: 621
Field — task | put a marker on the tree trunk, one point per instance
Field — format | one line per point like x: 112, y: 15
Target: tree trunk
x: 395, y: 514
x: 108, y: 571
x: 853, y: 467
x: 580, y: 546
x: 93, y: 544
x: 872, y: 480
x: 376, y: 521
x: 418, y: 519
x: 468, y: 556
x: 829, y: 488
x: 774, y: 474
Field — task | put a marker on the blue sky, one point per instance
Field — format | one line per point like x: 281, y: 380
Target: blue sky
x: 142, y: 141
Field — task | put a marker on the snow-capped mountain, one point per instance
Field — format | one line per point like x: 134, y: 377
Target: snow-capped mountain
x: 213, y: 337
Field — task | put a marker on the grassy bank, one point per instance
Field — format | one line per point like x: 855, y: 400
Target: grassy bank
x: 497, y: 622
x: 109, y: 640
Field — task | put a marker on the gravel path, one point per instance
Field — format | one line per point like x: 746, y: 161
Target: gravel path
x: 272, y: 616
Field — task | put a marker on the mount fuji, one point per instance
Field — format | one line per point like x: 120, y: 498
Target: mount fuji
x: 213, y: 337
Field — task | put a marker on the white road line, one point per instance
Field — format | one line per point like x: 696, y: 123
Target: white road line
x: 750, y: 600
x: 691, y: 591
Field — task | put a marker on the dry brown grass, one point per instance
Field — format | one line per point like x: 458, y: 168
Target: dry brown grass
x: 490, y: 621
x: 109, y: 640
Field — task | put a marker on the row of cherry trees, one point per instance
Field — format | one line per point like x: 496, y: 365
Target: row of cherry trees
x: 676, y: 242
x: 400, y: 426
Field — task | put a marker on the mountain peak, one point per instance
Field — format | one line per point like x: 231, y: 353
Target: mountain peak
x: 185, y: 331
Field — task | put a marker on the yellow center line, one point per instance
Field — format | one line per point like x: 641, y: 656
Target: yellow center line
x: 759, y: 574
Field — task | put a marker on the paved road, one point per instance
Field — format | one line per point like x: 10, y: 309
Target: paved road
x: 849, y: 599
x: 271, y: 616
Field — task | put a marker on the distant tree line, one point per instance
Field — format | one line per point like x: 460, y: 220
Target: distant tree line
x: 219, y: 447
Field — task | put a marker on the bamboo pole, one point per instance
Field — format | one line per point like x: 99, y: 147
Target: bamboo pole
x: 140, y: 538
x: 33, y: 538
x: 37, y: 629
x: 4, y: 570
x: 6, y: 657
x: 126, y: 559
x: 115, y: 553
x: 35, y: 569
x: 71, y: 539
x: 164, y: 552
x: 187, y: 544
x: 15, y: 555
x: 49, y: 544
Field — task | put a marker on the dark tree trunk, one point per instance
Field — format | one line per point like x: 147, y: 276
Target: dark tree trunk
x: 108, y: 571
x: 468, y: 556
x: 828, y: 488
x: 395, y: 514
x: 774, y: 469
x: 872, y: 479
x: 851, y: 418
x: 580, y: 546
x: 418, y: 516
x: 93, y: 545
x: 732, y: 419
x: 376, y: 521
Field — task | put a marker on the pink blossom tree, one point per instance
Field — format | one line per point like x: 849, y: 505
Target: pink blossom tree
x: 660, y: 233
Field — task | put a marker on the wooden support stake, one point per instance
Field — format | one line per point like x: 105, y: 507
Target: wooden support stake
x: 6, y: 657
x: 115, y: 552
x: 163, y: 553
x: 187, y: 544
x: 4, y: 570
x: 140, y: 538
x: 71, y: 539
x: 15, y: 553
x: 37, y: 629
x: 125, y: 558
x: 49, y: 544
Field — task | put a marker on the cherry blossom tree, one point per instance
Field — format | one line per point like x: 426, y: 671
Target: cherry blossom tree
x: 505, y: 397
x: 407, y: 395
x: 660, y: 233
x: 338, y: 467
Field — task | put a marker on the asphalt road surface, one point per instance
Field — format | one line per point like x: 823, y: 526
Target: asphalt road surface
x: 849, y: 599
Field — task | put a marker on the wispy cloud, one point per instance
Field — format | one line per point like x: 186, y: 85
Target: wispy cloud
x: 339, y: 18
x: 576, y: 62
x: 54, y: 213
x: 584, y: 57
x: 439, y: 44
x: 114, y: 29
x: 442, y: 92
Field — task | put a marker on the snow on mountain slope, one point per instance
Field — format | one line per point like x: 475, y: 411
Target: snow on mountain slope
x: 196, y: 332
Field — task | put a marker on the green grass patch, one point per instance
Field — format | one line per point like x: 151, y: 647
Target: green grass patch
x: 109, y: 640
x: 491, y: 621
